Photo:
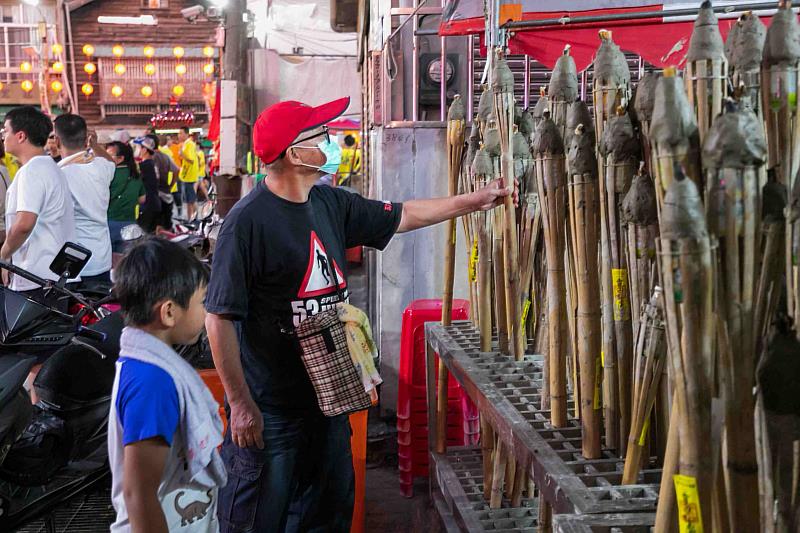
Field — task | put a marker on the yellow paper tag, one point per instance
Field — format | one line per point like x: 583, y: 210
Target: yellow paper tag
x: 473, y: 262
x: 645, y: 427
x: 622, y: 308
x: 249, y: 162
x: 598, y: 384
x: 525, y: 309
x: 602, y: 359
x: 453, y: 236
x: 689, y: 516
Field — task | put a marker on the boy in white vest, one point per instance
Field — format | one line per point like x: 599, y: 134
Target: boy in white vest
x: 164, y: 426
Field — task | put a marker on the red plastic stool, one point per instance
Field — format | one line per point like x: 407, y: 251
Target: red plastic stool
x: 412, y: 407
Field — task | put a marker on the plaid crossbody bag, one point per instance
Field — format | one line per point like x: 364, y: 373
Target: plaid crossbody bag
x: 324, y: 351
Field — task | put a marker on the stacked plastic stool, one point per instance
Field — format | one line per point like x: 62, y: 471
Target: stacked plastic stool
x: 463, y: 426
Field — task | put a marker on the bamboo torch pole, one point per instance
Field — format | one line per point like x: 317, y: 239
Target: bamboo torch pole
x: 688, y: 274
x: 563, y: 92
x: 780, y: 79
x: 622, y: 152
x: 548, y: 150
x: 733, y: 151
x: 523, y: 170
x: 492, y: 145
x: 503, y: 88
x: 643, y: 105
x: 744, y: 49
x: 482, y: 173
x: 584, y: 215
x: 456, y: 126
x: 610, y: 90
x: 706, y: 69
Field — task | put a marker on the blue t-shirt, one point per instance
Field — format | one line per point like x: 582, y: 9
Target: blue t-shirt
x: 147, y: 402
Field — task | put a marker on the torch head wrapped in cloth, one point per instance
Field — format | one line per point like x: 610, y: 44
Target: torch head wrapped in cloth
x: 706, y: 41
x: 745, y: 44
x: 736, y: 139
x: 610, y: 65
x: 577, y: 114
x: 581, y: 154
x: 564, y: 80
x: 646, y: 95
x: 782, y: 43
x: 682, y: 215
x: 639, y: 205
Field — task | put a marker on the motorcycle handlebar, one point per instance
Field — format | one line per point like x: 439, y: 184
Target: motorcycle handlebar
x: 89, y: 333
x: 24, y: 274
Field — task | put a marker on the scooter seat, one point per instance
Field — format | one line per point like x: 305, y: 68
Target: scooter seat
x: 74, y: 379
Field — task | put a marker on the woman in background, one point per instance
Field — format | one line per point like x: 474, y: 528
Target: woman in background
x: 127, y: 192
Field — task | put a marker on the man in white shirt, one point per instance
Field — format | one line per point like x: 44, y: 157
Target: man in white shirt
x: 89, y: 170
x: 39, y: 212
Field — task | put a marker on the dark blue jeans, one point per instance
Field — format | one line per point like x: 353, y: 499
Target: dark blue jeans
x: 302, y: 481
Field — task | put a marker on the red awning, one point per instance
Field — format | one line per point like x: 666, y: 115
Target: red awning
x: 344, y: 124
x: 661, y: 40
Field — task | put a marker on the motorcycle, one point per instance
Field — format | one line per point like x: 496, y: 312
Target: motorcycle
x: 56, y: 449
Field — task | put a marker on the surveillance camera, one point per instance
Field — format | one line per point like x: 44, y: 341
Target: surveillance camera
x: 192, y: 13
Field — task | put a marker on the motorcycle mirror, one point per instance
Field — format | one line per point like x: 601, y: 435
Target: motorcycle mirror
x: 131, y: 232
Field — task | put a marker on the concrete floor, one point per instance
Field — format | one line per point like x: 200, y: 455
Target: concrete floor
x: 387, y: 511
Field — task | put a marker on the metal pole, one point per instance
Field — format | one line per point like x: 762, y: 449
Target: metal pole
x: 658, y: 15
x: 443, y: 83
x: 527, y: 81
x: 470, y: 76
x: 415, y: 69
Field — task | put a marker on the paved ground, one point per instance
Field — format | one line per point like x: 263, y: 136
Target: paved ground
x: 387, y: 511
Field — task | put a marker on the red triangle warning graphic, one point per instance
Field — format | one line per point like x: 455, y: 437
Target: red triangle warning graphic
x: 318, y: 280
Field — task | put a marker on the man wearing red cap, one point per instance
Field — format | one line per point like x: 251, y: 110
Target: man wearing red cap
x: 289, y: 466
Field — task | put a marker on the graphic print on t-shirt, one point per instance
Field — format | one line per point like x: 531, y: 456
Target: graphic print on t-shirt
x: 316, y: 291
x: 318, y: 276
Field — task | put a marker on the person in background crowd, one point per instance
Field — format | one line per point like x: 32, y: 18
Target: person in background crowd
x: 39, y: 210
x: 5, y: 181
x: 126, y: 192
x: 167, y: 170
x: 174, y: 148
x: 163, y: 426
x: 51, y: 148
x: 189, y: 171
x: 12, y: 164
x: 150, y: 212
x: 351, y: 160
x: 289, y: 466
x: 202, y: 185
x: 89, y: 171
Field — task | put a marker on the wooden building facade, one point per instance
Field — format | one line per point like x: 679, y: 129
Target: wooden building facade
x: 118, y: 98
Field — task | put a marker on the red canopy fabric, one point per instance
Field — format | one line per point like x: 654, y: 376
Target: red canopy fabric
x: 213, y: 126
x: 661, y: 40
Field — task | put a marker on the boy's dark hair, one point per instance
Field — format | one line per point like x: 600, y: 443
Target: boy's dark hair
x: 153, y: 136
x: 71, y: 129
x: 152, y: 272
x: 185, y: 129
x: 349, y: 140
x: 36, y: 125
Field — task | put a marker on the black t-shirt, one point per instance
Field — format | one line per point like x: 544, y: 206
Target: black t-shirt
x: 271, y: 271
x: 152, y: 203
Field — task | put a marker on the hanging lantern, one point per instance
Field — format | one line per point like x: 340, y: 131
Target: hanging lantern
x: 118, y: 50
x: 117, y: 91
x: 178, y: 51
x: 178, y: 90
x: 208, y: 51
x: 180, y: 69
x: 90, y: 68
x: 2, y: 86
x: 56, y: 49
x: 27, y: 86
x: 149, y: 69
x: 87, y: 89
x: 88, y: 50
x: 147, y: 91
x: 119, y: 69
x: 56, y: 86
x: 149, y: 51
x: 57, y: 67
x: 208, y: 69
x: 25, y: 67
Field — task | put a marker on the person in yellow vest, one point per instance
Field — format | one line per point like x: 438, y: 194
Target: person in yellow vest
x: 11, y: 164
x: 174, y: 148
x: 351, y: 160
x: 190, y: 171
x: 202, y: 185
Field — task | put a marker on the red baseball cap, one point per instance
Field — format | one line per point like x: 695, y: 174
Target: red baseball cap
x: 280, y: 124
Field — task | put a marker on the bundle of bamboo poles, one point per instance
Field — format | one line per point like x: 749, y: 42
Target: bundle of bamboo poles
x: 649, y: 362
x: 706, y: 73
x: 733, y: 152
x: 621, y: 151
x: 550, y: 167
x: 674, y: 137
x: 584, y: 218
x: 780, y: 80
x: 456, y: 128
x: 611, y: 89
x: 687, y: 271
x: 643, y: 105
x: 529, y: 224
x: 503, y: 89
x: 744, y: 49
